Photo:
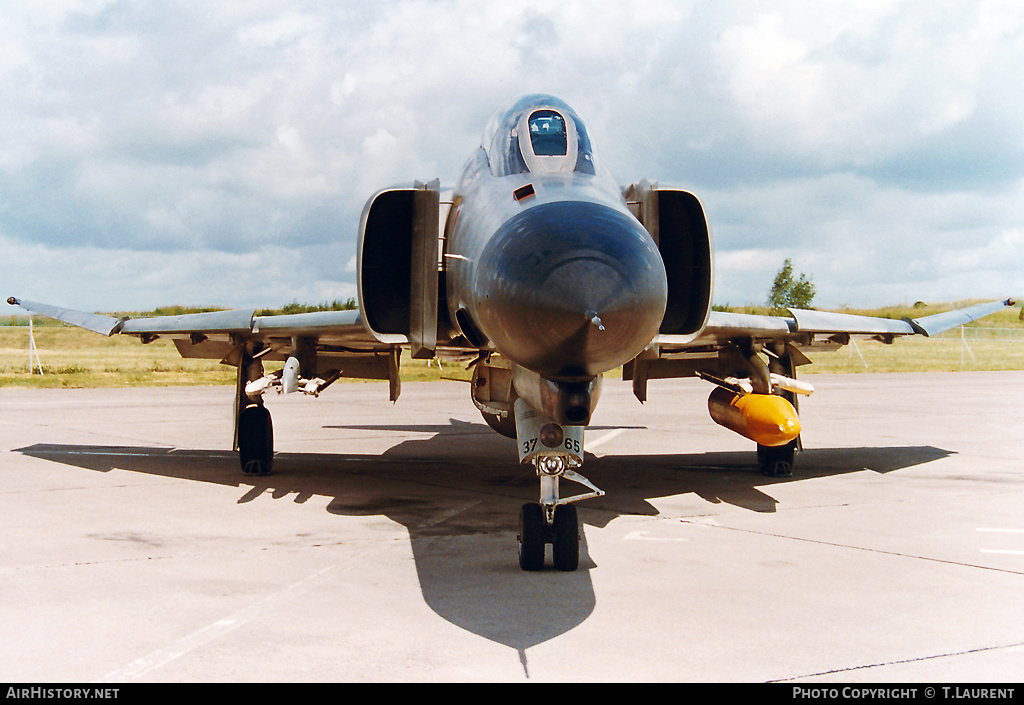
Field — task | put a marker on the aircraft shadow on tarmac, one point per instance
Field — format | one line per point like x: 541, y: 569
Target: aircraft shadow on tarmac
x: 458, y: 495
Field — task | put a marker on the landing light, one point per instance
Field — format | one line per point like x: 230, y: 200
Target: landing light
x: 551, y: 464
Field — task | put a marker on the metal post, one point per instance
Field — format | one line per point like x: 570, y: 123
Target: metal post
x: 965, y: 346
x: 853, y: 346
x: 33, y: 353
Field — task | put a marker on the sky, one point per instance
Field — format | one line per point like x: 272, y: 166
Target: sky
x: 220, y: 154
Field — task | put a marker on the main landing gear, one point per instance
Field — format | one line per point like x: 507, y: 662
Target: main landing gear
x: 759, y: 401
x: 254, y: 429
x: 554, y: 451
x: 783, y: 359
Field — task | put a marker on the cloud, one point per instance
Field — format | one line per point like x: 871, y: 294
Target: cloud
x: 200, y: 277
x: 222, y: 153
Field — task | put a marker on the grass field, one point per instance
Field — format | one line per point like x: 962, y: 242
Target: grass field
x: 993, y: 343
x: 72, y: 357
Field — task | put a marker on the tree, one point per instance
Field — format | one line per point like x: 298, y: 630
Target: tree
x: 788, y: 292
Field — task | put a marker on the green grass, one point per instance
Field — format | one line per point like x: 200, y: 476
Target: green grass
x: 72, y: 357
x: 920, y: 355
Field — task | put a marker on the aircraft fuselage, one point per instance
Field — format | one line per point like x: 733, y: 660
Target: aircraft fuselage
x: 544, y: 263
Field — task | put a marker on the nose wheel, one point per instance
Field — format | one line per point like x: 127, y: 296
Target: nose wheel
x: 565, y: 538
x: 532, y: 536
x: 535, y: 532
x: 554, y: 451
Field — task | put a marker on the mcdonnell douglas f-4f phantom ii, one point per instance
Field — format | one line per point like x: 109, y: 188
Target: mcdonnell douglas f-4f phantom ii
x: 547, y: 274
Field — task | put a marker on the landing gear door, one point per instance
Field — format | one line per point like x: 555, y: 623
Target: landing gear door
x: 534, y: 439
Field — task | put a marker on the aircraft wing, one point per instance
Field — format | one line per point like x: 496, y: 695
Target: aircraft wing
x: 730, y: 338
x: 807, y: 327
x: 342, y: 345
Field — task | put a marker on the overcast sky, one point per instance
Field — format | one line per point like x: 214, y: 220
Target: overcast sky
x: 220, y: 153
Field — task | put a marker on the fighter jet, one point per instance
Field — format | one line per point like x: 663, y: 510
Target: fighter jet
x: 545, y: 274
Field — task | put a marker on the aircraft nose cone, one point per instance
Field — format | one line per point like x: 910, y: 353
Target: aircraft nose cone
x: 571, y: 289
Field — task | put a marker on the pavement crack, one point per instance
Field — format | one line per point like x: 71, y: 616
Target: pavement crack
x: 866, y: 549
x: 898, y: 662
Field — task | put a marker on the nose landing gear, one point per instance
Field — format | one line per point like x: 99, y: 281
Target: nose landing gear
x: 554, y: 450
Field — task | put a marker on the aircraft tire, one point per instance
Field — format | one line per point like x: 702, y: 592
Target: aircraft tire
x: 566, y: 538
x: 776, y: 461
x: 531, y: 537
x: 256, y: 441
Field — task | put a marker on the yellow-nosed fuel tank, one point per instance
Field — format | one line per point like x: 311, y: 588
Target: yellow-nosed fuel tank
x: 763, y: 418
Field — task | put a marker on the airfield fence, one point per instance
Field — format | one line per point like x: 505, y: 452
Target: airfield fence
x: 972, y: 334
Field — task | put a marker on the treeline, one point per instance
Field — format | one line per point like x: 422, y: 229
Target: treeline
x: 295, y: 307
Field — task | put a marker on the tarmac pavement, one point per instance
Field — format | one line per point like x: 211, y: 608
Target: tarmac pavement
x: 383, y: 548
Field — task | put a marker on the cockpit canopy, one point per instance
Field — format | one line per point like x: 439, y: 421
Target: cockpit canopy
x: 537, y: 134
x: 547, y: 134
